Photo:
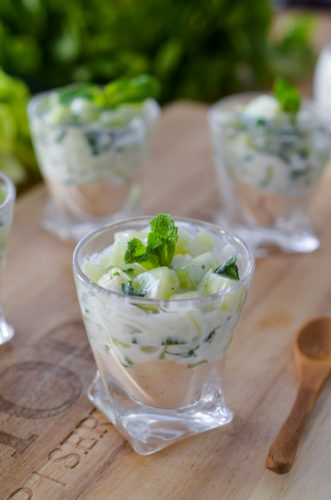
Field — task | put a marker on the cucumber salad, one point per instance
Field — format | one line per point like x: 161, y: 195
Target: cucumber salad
x: 86, y: 134
x: 165, y: 293
x: 275, y: 143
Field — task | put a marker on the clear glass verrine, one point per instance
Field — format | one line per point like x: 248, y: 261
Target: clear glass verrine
x: 7, y: 202
x: 159, y: 361
x: 268, y: 173
x: 92, y: 170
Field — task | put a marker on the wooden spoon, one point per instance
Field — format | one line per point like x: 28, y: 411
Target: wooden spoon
x: 312, y: 349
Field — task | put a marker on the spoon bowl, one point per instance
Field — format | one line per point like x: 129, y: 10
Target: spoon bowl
x: 313, y: 341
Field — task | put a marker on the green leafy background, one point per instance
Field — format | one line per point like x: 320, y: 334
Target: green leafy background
x: 199, y: 49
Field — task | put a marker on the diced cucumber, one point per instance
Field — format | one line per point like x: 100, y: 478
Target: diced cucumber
x: 159, y: 283
x: 94, y: 271
x: 214, y: 283
x: 179, y: 260
x: 192, y: 272
x: 201, y: 243
x: 83, y: 109
x: 58, y: 114
x: 183, y: 242
x: 117, y: 251
x: 263, y: 107
x: 113, y: 280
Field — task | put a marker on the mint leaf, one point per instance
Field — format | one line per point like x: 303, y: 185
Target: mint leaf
x: 229, y: 269
x: 126, y: 90
x: 161, y: 243
x: 162, y: 238
x: 287, y: 95
x: 137, y: 252
x: 84, y: 90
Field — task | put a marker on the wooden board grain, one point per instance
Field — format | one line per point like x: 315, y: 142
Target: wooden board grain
x: 55, y: 445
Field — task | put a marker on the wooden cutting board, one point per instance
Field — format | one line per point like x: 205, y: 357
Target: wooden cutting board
x: 55, y: 445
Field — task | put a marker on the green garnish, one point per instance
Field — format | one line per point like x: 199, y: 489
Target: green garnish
x: 161, y: 243
x: 210, y: 336
x: 129, y: 90
x: 83, y: 90
x: 120, y: 91
x: 171, y: 341
x: 128, y: 289
x: 287, y: 95
x: 229, y: 269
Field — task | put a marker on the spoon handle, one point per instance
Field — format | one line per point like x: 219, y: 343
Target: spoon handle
x: 282, y: 451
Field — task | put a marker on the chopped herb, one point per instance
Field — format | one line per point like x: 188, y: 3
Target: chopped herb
x: 149, y: 348
x: 161, y: 243
x: 210, y: 336
x: 260, y: 122
x: 188, y: 354
x: 295, y: 174
x: 129, y: 270
x: 119, y: 342
x: 170, y: 341
x: 99, y: 143
x: 60, y: 135
x: 287, y: 95
x: 128, y: 289
x: 229, y: 269
x: 128, y: 361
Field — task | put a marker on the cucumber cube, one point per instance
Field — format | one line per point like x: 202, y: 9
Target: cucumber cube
x: 159, y: 283
x: 113, y: 280
x: 201, y: 243
x: 191, y: 273
x: 94, y: 271
x: 213, y: 283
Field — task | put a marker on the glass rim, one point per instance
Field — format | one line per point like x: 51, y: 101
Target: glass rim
x: 214, y: 110
x: 149, y: 301
x: 11, y: 190
x: 38, y: 98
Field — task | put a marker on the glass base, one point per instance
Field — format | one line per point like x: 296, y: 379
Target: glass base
x: 66, y: 229
x: 6, y: 331
x: 149, y: 429
x: 264, y: 241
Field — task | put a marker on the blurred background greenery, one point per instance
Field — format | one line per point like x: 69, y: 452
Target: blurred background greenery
x: 199, y: 49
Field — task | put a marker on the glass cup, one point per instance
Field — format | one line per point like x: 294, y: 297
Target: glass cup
x: 92, y: 169
x: 7, y: 201
x: 159, y: 361
x: 267, y: 174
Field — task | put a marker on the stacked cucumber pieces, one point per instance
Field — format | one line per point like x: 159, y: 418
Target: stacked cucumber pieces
x: 164, y: 263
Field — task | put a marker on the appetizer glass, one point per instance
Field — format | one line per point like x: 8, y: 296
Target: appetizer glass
x: 159, y: 361
x: 7, y: 201
x: 91, y: 169
x: 267, y: 174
